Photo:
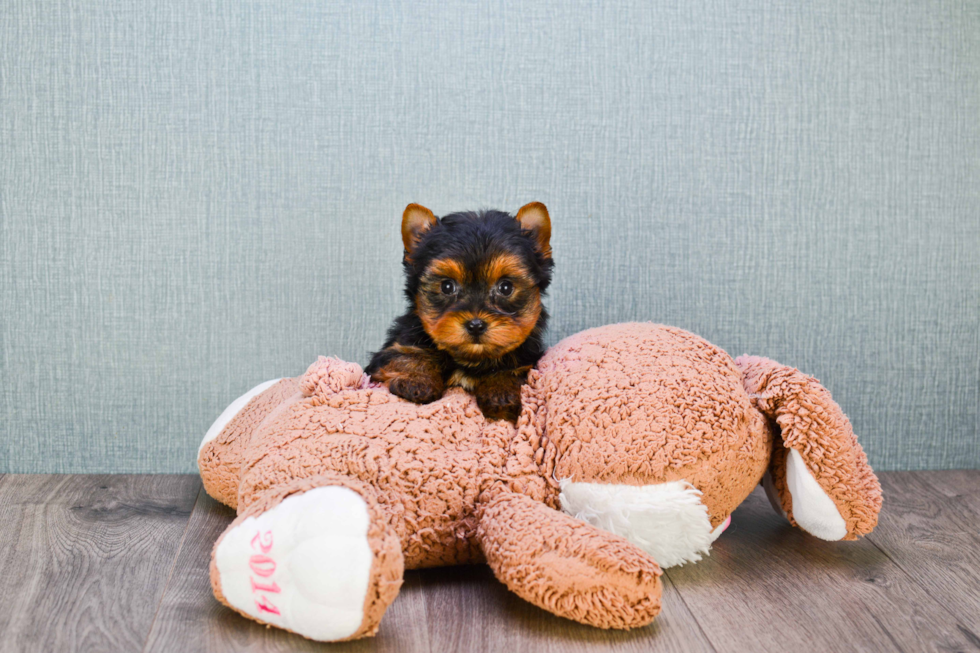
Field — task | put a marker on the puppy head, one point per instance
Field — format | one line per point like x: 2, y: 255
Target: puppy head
x: 476, y: 279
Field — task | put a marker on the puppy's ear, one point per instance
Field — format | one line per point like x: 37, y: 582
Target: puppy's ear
x: 534, y: 218
x: 416, y: 220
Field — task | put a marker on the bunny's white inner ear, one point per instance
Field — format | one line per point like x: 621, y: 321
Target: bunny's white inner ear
x: 813, y: 510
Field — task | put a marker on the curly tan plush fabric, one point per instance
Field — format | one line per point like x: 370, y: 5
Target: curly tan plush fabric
x: 639, y: 404
x: 566, y: 566
x: 654, y: 413
x: 813, y: 424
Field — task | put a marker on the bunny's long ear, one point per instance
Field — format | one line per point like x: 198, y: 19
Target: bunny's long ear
x: 819, y: 475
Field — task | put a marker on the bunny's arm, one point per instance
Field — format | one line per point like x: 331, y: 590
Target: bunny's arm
x: 567, y: 566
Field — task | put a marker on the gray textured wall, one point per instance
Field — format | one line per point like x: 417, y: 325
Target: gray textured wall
x: 198, y: 196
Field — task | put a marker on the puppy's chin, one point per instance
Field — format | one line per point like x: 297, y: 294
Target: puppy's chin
x: 474, y: 353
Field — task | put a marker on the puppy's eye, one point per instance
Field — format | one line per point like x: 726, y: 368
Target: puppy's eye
x: 448, y: 287
x: 505, y: 288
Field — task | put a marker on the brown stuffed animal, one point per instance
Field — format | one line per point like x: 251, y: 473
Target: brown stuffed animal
x: 634, y: 445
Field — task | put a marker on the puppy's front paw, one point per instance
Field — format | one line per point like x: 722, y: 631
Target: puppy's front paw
x: 420, y: 390
x: 499, y: 402
x: 409, y: 373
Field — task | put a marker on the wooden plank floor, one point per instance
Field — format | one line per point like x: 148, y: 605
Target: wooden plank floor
x: 120, y: 563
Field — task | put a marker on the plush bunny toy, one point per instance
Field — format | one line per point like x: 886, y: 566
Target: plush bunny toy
x: 634, y: 445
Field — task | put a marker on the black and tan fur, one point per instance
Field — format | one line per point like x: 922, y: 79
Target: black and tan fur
x: 465, y: 272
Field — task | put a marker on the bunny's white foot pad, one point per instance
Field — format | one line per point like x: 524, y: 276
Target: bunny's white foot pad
x: 304, y: 565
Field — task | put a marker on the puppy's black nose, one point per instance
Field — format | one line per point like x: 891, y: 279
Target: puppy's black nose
x: 476, y: 326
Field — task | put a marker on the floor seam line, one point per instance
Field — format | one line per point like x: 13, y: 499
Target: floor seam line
x: 691, y: 612
x: 173, y: 566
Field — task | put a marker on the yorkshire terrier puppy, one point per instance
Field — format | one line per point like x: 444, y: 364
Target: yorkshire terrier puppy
x: 474, y: 283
